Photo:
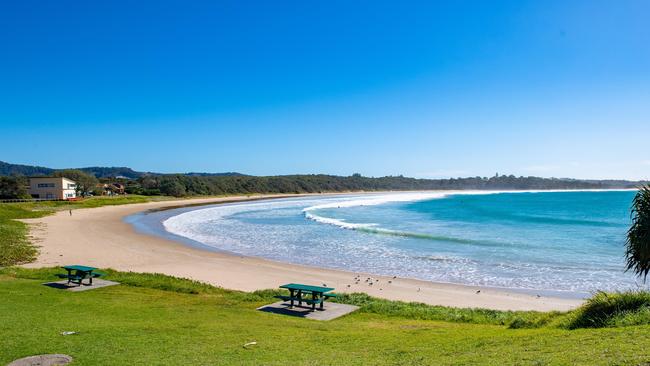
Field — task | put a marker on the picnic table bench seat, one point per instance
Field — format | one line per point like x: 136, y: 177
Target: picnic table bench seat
x: 285, y: 297
x: 69, y: 277
x: 77, y: 277
x: 295, y: 298
x: 313, y: 301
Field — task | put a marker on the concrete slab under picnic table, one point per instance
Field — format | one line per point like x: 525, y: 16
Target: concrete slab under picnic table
x: 64, y: 285
x: 331, y: 310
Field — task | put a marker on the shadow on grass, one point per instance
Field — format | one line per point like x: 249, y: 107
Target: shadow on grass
x: 57, y: 285
x: 297, y: 311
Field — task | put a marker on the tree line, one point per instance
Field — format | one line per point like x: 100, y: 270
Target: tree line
x: 178, y: 185
x: 181, y: 185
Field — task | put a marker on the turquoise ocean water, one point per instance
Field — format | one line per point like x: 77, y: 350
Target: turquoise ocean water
x: 555, y: 241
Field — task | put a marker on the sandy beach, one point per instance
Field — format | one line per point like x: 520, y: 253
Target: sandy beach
x: 99, y: 237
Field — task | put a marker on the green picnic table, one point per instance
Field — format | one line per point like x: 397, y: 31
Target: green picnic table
x: 80, y: 273
x: 297, y: 290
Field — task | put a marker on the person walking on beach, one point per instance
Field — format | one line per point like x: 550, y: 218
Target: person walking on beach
x: 70, y: 212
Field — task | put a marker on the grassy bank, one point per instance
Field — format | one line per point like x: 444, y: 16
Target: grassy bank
x: 15, y: 246
x: 161, y: 320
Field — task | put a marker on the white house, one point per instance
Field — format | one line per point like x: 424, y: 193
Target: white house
x: 52, y: 188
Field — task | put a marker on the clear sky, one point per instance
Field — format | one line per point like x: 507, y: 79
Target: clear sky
x: 425, y: 89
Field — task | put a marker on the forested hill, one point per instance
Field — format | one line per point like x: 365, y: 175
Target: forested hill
x: 7, y: 169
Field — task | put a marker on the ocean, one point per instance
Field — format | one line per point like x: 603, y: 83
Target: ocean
x: 544, y: 241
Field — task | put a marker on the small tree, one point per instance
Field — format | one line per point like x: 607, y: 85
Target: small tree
x: 12, y: 187
x: 86, y: 183
x: 172, y: 187
x: 637, y: 249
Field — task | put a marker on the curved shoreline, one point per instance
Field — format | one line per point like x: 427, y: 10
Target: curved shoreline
x: 100, y: 237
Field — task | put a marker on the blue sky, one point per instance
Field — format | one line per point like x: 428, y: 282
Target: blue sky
x: 425, y: 89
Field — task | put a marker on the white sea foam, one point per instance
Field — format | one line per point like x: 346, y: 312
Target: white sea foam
x: 380, y: 199
x: 190, y: 224
x: 366, y: 201
x: 337, y: 222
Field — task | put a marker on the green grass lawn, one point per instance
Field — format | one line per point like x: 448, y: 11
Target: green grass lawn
x: 160, y: 320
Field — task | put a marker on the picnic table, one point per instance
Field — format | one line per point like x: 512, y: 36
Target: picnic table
x: 80, y: 273
x: 297, y: 292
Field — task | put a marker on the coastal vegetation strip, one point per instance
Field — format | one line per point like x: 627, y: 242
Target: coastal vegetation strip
x: 95, y: 180
x: 15, y: 244
x: 158, y: 319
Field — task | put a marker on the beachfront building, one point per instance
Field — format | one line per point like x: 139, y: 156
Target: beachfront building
x: 52, y: 188
x: 111, y: 189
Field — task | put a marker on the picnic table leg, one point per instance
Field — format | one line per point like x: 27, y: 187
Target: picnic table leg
x: 313, y: 304
x: 69, y: 274
x: 90, y: 274
x: 291, y: 292
x: 321, y: 303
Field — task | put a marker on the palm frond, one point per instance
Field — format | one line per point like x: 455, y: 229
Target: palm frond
x: 637, y: 251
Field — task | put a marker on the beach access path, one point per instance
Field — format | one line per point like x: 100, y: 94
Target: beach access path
x: 99, y: 237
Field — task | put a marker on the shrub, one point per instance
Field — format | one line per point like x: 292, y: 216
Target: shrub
x: 611, y: 309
